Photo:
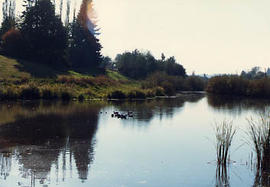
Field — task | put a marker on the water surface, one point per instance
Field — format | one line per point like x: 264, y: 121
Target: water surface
x: 168, y: 142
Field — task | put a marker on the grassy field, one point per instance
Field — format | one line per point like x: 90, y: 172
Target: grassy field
x: 27, y: 80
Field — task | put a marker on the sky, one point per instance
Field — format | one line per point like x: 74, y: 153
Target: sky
x: 205, y: 36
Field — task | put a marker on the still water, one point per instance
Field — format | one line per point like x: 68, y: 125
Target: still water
x: 168, y: 142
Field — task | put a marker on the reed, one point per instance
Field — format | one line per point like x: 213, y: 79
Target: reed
x: 224, y: 133
x: 259, y: 133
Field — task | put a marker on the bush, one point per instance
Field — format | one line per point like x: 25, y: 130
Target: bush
x: 81, y: 98
x: 150, y: 93
x: 159, y: 91
x: 174, y: 83
x: 136, y: 94
x: 239, y: 86
x: 66, y: 96
x: 118, y: 94
x: 9, y: 94
x: 12, y: 43
x: 48, y: 94
x: 139, y: 65
x: 195, y: 83
x: 168, y: 88
x: 30, y: 93
x: 131, y: 95
x: 140, y: 94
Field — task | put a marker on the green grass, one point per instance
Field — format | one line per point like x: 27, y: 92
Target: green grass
x: 18, y: 76
x: 116, y: 76
x: 8, y: 69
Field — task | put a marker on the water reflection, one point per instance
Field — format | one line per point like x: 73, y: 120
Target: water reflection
x: 146, y: 110
x: 237, y: 105
x: 262, y: 177
x: 55, y: 135
x: 222, y: 177
x: 45, y: 143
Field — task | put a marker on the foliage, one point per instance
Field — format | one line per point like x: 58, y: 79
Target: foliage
x: 254, y: 73
x: 136, y: 94
x: 118, y: 94
x: 168, y: 88
x: 84, y: 46
x: 8, y: 18
x: 171, y: 84
x: 12, y: 43
x: 139, y: 65
x: 29, y: 93
x: 239, y: 86
x: 7, y: 24
x: 43, y: 33
x: 195, y: 83
x: 66, y: 96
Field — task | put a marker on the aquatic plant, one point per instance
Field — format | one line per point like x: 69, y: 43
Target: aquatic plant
x: 259, y: 133
x: 224, y: 133
x: 222, y: 177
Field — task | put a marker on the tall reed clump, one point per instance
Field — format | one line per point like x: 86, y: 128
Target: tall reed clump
x: 259, y: 133
x: 224, y: 133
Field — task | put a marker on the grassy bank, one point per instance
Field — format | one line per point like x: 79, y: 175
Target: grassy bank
x: 26, y: 80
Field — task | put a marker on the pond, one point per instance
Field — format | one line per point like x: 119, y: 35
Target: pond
x: 165, y: 142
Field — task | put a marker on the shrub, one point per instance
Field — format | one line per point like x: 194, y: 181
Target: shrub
x: 12, y: 43
x: 140, y: 94
x: 118, y: 94
x: 159, y: 91
x: 168, y: 88
x: 104, y: 81
x: 48, y: 94
x: 177, y: 83
x: 66, y: 96
x: 239, y: 86
x: 30, y: 93
x: 131, y: 95
x: 139, y: 65
x: 81, y: 98
x: 9, y: 94
x: 150, y: 93
x: 195, y: 83
x: 136, y: 94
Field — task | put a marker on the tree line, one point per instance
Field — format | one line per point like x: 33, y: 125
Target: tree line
x: 139, y: 65
x: 40, y: 35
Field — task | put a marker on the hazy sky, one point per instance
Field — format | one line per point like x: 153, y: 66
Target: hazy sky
x: 206, y: 36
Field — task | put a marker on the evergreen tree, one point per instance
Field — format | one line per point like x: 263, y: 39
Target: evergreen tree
x: 8, y: 10
x: 43, y: 32
x: 85, y: 47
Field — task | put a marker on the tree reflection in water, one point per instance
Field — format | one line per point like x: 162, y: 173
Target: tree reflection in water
x: 236, y: 105
x: 145, y: 110
x: 48, y: 140
x: 259, y: 135
x: 52, y: 136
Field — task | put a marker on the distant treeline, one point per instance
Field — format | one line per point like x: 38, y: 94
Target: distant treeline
x: 139, y: 65
x: 255, y: 73
x: 41, y: 36
x: 164, y: 73
x: 239, y: 86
